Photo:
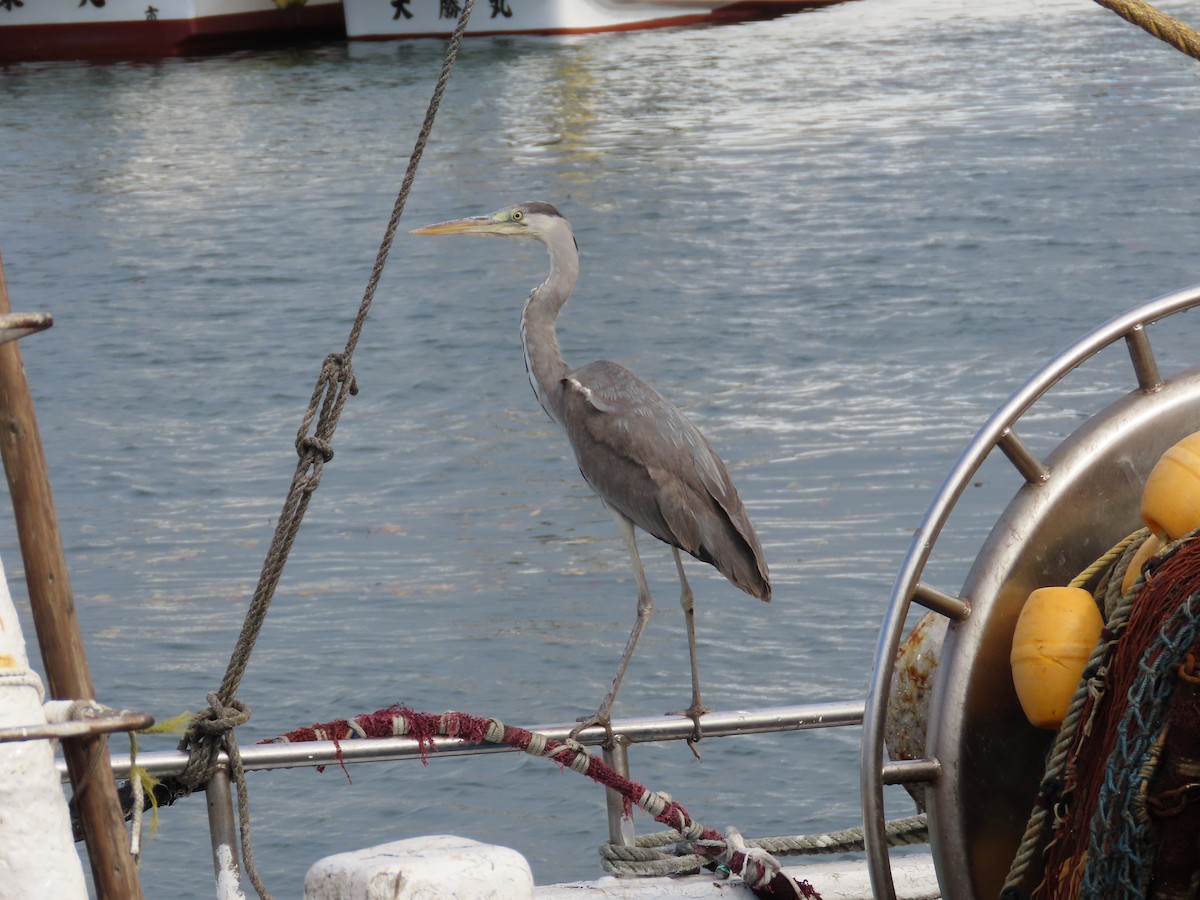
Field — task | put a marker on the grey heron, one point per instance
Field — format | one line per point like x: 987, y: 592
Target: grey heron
x: 648, y: 463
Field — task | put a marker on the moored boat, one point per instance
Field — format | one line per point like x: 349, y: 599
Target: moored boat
x: 100, y: 29
x: 389, y: 19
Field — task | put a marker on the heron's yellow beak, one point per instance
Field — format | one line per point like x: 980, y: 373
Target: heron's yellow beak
x: 472, y: 225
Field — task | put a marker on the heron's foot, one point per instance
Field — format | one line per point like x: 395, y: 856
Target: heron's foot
x: 693, y: 712
x: 601, y: 718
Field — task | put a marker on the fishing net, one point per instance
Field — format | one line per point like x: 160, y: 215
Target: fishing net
x: 1118, y: 811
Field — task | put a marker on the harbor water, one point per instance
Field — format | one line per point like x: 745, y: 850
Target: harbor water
x: 837, y: 240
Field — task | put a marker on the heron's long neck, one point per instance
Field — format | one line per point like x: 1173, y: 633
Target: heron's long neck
x: 543, y: 360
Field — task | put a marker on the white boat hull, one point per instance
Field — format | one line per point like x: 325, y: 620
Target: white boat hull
x: 391, y: 19
x: 68, y: 29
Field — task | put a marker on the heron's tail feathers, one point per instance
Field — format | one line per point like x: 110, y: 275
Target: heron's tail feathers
x: 738, y: 556
x: 749, y: 572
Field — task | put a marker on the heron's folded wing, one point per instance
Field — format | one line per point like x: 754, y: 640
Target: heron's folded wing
x: 648, y: 461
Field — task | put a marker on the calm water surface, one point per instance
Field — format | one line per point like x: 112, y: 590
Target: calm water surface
x: 837, y: 240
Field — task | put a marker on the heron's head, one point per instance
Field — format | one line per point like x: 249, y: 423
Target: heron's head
x: 533, y: 219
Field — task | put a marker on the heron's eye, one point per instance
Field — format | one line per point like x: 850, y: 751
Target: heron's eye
x: 517, y: 215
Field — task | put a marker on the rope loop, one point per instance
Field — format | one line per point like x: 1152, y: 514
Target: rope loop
x: 220, y: 718
x: 335, y: 382
x: 207, y: 734
x: 310, y: 445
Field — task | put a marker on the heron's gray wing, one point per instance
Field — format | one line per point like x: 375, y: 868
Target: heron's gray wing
x: 648, y: 461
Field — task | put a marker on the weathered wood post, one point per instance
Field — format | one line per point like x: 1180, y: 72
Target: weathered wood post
x: 59, y: 638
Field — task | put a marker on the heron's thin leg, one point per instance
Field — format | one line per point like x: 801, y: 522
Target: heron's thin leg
x: 688, y: 601
x: 645, y: 606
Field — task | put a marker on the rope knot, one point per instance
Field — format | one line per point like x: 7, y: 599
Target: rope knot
x: 208, y: 731
x: 310, y: 445
x: 334, y: 383
x: 337, y: 369
x: 759, y: 867
x: 220, y: 718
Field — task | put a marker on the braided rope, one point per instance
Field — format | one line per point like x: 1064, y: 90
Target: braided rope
x: 900, y: 832
x: 212, y: 729
x: 704, y: 846
x: 647, y: 856
x: 1166, y: 28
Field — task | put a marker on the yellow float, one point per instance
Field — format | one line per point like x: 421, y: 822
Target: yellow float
x: 1055, y: 634
x: 1171, y: 498
x: 1150, y: 546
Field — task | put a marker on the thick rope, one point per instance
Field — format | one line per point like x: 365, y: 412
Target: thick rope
x: 1166, y: 28
x: 704, y: 846
x: 649, y: 857
x: 212, y: 729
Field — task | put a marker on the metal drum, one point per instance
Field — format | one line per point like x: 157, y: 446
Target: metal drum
x: 983, y: 759
x: 991, y: 757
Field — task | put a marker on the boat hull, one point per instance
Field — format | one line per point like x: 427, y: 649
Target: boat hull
x: 121, y: 29
x: 377, y: 20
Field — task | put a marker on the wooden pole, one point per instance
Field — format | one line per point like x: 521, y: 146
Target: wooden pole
x: 58, y: 634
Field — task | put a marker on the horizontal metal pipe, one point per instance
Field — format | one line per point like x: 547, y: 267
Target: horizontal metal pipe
x: 324, y: 753
x: 941, y: 602
x: 911, y: 771
x: 123, y: 721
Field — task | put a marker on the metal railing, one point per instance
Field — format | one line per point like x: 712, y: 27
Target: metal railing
x: 635, y: 731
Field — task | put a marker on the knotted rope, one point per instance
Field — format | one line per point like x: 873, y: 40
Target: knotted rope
x: 752, y: 860
x: 213, y: 729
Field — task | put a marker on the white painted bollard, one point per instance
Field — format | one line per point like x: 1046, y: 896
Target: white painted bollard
x: 437, y: 867
x: 37, y: 852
